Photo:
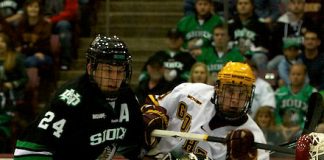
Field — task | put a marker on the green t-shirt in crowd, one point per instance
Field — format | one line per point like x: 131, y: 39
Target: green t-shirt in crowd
x: 190, y: 28
x: 210, y: 57
x: 292, y: 104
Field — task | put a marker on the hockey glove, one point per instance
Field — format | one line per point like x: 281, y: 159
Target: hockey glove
x: 155, y: 117
x: 240, y: 145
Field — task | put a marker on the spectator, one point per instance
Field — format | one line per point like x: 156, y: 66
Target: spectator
x: 88, y: 16
x: 13, y: 74
x: 11, y: 11
x: 63, y: 16
x: 155, y: 83
x: 218, y: 7
x: 265, y: 119
x: 220, y: 10
x: 263, y: 93
x: 313, y: 58
x: 291, y: 25
x: 291, y: 56
x: 288, y: 128
x: 34, y: 35
x: 34, y: 42
x: 179, y: 62
x: 267, y: 10
x: 314, y: 9
x: 199, y: 73
x: 292, y: 99
x: 247, y: 32
x: 5, y: 27
x: 176, y: 62
x: 189, y: 7
x: 217, y: 56
x: 13, y: 80
x: 197, y: 29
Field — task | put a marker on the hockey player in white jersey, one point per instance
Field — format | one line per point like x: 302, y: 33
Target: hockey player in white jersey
x: 219, y: 110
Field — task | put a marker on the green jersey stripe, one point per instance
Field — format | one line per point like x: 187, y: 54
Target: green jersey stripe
x: 31, y: 146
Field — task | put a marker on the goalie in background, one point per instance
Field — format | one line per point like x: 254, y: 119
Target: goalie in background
x: 219, y: 110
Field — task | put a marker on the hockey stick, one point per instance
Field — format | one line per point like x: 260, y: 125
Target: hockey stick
x: 205, y: 137
x: 314, y: 112
x: 313, y: 116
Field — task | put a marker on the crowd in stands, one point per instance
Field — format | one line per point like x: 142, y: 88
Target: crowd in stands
x: 37, y: 39
x: 281, y: 40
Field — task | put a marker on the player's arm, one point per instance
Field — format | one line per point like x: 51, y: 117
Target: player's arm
x: 158, y: 109
x: 41, y: 136
x: 33, y: 145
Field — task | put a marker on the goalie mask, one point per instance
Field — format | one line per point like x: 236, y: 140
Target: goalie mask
x: 310, y: 147
x: 108, y: 64
x: 234, y: 91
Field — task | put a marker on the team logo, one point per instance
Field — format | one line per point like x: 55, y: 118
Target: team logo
x: 71, y: 97
x: 110, y: 134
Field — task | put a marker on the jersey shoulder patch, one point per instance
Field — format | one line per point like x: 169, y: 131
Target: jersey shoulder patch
x: 71, y: 97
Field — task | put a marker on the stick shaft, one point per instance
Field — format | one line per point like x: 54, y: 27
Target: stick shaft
x: 205, y: 137
x: 314, y: 112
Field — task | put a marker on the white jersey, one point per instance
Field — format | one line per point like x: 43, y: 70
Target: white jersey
x: 263, y: 96
x: 190, y: 110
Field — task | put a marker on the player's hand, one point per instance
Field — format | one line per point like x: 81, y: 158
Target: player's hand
x: 240, y: 145
x: 155, y: 117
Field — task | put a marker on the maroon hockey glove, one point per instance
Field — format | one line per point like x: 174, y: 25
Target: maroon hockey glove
x: 155, y: 117
x: 240, y: 145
